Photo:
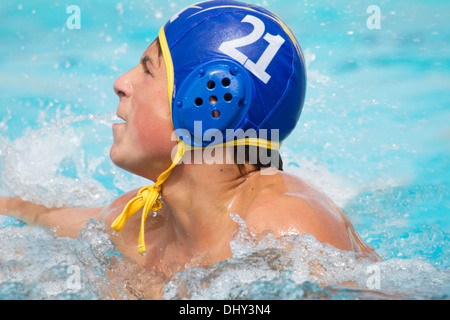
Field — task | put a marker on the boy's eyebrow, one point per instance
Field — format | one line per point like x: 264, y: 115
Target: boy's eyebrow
x: 146, y: 59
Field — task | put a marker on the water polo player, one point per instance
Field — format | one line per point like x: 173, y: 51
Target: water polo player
x: 205, y: 112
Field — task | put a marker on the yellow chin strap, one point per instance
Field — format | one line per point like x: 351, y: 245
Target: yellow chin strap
x: 148, y: 197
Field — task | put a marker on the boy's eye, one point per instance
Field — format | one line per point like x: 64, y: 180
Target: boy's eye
x: 144, y: 66
x: 147, y: 70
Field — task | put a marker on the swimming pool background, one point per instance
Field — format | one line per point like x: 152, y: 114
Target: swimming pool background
x: 374, y: 133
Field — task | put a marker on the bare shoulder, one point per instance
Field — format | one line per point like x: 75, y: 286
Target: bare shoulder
x: 287, y: 205
x: 112, y: 211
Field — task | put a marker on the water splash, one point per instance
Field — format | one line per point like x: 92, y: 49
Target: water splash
x: 262, y: 267
x: 300, y: 267
x: 49, y: 166
x: 34, y: 265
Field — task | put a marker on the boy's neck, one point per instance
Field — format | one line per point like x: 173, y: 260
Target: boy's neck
x: 200, y: 199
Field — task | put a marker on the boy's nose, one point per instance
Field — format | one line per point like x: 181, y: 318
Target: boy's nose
x: 122, y: 86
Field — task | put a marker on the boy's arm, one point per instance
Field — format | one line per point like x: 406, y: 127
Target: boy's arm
x: 66, y: 221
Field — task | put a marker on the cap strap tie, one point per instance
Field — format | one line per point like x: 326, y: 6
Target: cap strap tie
x: 148, y: 198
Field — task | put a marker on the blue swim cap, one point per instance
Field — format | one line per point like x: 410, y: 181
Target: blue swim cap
x: 232, y: 66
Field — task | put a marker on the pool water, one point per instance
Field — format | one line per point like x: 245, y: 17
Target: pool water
x: 374, y: 136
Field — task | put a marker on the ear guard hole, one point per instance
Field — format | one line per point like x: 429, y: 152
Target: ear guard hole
x: 216, y: 114
x: 199, y: 102
x: 211, y: 85
x: 226, y: 82
x: 213, y: 99
x: 228, y: 97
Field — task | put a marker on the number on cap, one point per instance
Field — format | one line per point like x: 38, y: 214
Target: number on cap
x: 259, y: 68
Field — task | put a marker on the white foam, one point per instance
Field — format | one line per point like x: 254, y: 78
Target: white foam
x: 300, y: 267
x: 48, y: 166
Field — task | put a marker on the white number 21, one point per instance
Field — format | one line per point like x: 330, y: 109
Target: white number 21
x: 258, y: 68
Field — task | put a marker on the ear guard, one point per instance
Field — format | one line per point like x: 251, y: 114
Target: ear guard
x: 216, y: 96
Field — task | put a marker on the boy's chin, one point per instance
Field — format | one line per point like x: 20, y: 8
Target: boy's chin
x: 118, y: 158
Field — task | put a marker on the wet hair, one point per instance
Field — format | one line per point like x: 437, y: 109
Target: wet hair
x: 252, y: 152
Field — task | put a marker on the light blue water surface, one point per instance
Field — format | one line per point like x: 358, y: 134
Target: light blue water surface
x: 374, y: 135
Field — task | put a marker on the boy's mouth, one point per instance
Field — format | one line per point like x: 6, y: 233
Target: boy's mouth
x: 119, y: 121
x: 119, y: 117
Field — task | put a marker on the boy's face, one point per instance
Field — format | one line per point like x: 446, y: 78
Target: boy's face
x: 142, y: 144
